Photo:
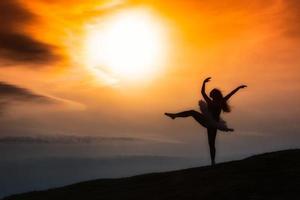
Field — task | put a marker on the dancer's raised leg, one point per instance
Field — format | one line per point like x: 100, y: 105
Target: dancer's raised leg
x: 190, y: 113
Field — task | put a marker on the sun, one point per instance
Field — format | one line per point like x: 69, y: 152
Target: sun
x: 129, y: 45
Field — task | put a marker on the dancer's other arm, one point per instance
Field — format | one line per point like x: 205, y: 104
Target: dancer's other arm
x: 234, y: 91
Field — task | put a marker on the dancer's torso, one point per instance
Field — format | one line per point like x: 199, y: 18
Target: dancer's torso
x: 215, y: 109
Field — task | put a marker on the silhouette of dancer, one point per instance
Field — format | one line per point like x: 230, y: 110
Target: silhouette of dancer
x: 209, y: 117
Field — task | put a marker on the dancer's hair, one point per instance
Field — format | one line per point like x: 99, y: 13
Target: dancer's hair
x: 217, y: 96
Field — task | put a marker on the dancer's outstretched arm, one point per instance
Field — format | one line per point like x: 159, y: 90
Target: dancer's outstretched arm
x: 234, y: 91
x: 206, y: 98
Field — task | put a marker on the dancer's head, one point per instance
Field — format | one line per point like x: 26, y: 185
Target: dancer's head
x: 217, y: 96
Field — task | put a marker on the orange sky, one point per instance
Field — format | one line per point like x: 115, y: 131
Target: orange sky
x: 252, y: 42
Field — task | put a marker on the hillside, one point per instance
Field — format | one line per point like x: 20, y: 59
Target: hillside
x: 273, y: 175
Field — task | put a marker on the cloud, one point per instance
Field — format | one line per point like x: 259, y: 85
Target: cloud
x: 21, y: 48
x: 13, y: 15
x: 16, y: 93
x: 12, y: 93
x: 16, y: 46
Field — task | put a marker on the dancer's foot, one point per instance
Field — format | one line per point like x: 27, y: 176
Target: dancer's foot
x: 228, y: 130
x: 213, y: 163
x: 170, y: 115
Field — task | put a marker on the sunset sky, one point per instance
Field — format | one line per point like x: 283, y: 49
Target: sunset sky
x: 110, y: 69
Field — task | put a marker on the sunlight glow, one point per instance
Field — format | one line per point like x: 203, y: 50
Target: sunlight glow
x: 128, y: 45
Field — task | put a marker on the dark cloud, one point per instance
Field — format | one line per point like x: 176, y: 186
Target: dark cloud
x: 11, y: 93
x: 15, y: 44
x: 15, y: 93
x: 13, y: 15
x: 21, y: 48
